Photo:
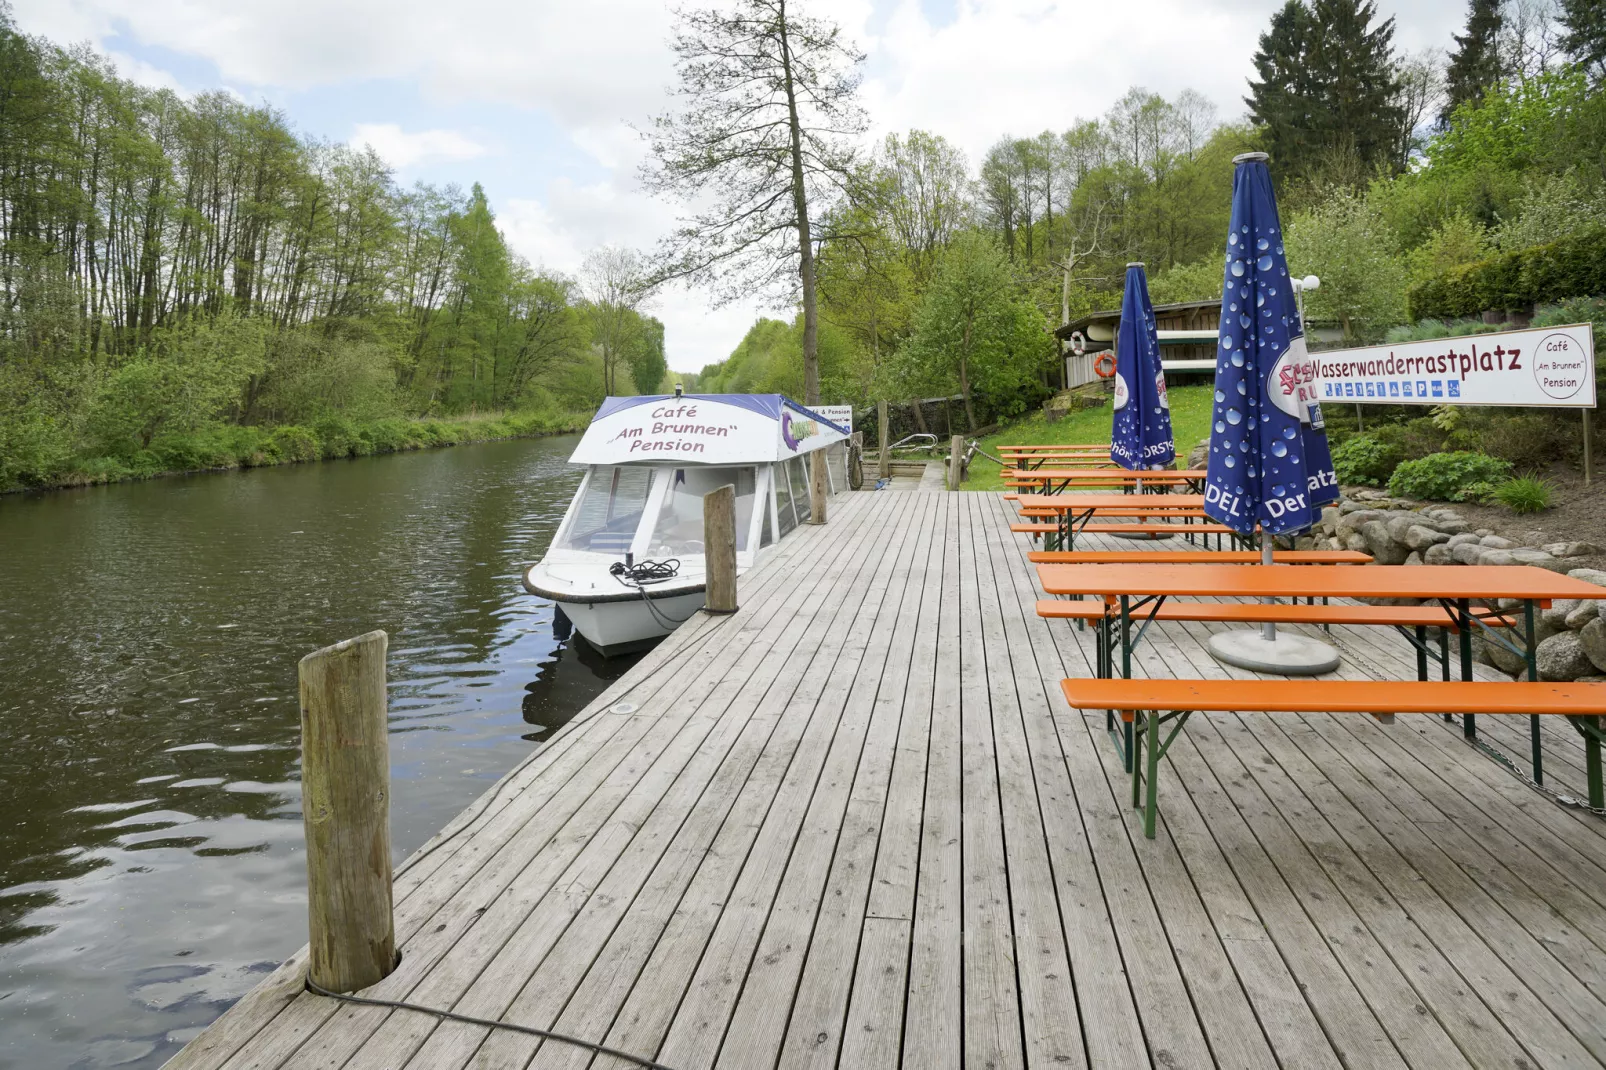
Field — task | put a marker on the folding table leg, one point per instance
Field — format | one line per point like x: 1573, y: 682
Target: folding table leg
x: 1463, y: 611
x: 1533, y: 674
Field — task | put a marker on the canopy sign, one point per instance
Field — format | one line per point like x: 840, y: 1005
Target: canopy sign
x: 1550, y: 366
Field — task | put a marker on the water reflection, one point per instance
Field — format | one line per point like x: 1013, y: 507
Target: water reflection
x: 151, y: 870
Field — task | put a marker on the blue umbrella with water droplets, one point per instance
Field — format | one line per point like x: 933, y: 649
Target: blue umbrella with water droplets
x: 1269, y: 461
x: 1140, y: 431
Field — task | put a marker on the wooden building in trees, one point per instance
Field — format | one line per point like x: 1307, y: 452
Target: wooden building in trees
x: 1187, y: 330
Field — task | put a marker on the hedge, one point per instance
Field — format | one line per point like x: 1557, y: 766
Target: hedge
x: 1517, y: 280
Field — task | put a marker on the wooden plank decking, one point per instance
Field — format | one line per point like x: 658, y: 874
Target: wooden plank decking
x: 854, y: 825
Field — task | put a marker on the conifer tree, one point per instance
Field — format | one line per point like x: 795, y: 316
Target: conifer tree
x: 1585, y: 39
x: 1475, y: 63
x: 1326, y: 98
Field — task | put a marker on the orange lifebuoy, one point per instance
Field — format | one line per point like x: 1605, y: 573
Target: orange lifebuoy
x: 1104, y: 365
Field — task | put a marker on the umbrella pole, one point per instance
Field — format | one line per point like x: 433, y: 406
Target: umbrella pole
x: 1268, y: 630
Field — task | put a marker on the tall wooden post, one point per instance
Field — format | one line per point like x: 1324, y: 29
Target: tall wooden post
x: 719, y: 549
x: 956, y: 462
x: 884, y: 468
x: 817, y: 487
x: 345, y: 806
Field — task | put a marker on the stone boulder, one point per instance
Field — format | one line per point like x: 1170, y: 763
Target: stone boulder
x: 1495, y: 542
x: 1506, y: 661
x: 1488, y: 556
x: 1589, y: 575
x: 1462, y: 538
x: 1380, y: 545
x: 1587, y: 610
x: 1467, y: 553
x: 1559, y: 609
x: 1562, y: 657
x: 1438, y: 554
x: 1592, y: 640
x: 1418, y: 537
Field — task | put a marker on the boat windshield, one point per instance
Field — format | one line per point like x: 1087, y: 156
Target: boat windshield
x: 678, y: 530
x: 609, y: 512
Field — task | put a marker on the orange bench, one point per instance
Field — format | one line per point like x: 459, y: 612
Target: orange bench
x: 1196, y: 557
x: 1188, y: 531
x: 1151, y: 704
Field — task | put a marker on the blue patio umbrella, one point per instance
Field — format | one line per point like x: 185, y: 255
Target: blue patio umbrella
x: 1269, y: 461
x: 1140, y: 433
x: 1269, y: 464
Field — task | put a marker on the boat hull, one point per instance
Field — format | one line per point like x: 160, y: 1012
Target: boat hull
x: 623, y: 622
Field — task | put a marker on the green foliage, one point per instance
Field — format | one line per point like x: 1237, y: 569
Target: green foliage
x: 1525, y: 494
x: 1444, y: 477
x: 1481, y: 493
x: 1347, y: 243
x: 1568, y: 268
x: 1198, y: 281
x: 974, y: 331
x: 1365, y: 461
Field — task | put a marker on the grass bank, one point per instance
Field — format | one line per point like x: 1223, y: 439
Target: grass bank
x: 224, y: 447
x: 1190, y: 422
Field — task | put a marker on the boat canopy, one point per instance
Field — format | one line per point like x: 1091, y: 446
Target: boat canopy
x: 704, y: 429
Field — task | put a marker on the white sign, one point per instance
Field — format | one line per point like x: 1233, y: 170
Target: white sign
x: 702, y: 429
x: 841, y: 415
x: 1551, y: 366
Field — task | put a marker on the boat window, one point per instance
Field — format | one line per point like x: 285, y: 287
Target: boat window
x: 836, y: 459
x: 609, y: 512
x: 678, y: 531
x: 798, y: 466
x: 783, y: 500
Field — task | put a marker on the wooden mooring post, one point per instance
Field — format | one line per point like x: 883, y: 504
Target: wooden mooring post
x: 719, y: 550
x: 817, y: 486
x: 345, y: 805
x: 884, y: 468
x: 956, y: 462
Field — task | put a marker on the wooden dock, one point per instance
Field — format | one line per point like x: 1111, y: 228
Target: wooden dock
x: 855, y: 825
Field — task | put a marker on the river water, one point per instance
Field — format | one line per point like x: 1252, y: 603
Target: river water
x: 151, y: 866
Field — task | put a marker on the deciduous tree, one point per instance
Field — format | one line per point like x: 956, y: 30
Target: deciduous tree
x: 764, y: 136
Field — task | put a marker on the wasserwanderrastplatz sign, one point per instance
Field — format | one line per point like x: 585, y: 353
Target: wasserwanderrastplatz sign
x: 1542, y: 366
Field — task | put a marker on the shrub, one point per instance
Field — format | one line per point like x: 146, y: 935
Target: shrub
x: 1445, y: 476
x: 1567, y: 268
x: 1480, y: 493
x: 1364, y: 460
x: 292, y: 443
x: 1527, y: 439
x: 1525, y: 494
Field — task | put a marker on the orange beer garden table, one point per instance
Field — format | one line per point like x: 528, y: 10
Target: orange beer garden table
x: 1454, y: 587
x: 1073, y: 512
x: 1073, y: 478
x: 1022, y: 457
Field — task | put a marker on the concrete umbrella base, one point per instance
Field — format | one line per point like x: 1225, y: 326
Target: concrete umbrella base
x: 1284, y: 655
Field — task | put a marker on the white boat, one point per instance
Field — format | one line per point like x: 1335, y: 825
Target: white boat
x: 626, y: 565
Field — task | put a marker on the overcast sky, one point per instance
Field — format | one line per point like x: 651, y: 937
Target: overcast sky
x: 534, y: 98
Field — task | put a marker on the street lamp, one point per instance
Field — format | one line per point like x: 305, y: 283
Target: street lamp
x: 1309, y: 282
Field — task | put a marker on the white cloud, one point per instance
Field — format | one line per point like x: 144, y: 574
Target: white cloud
x: 402, y: 150
x: 995, y: 67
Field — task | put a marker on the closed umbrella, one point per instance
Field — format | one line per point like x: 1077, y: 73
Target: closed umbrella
x: 1269, y: 464
x: 1140, y: 433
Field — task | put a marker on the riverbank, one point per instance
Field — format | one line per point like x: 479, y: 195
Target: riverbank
x: 226, y: 447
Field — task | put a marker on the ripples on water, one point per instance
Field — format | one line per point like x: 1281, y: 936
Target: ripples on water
x: 151, y: 868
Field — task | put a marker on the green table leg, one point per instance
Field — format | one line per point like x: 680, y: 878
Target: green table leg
x: 1152, y: 730
x: 1469, y: 724
x: 1533, y: 674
